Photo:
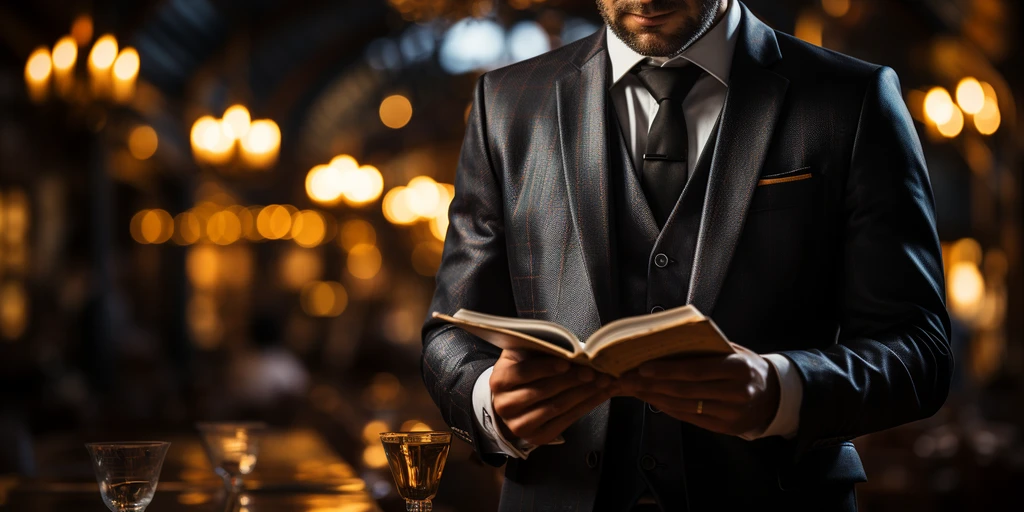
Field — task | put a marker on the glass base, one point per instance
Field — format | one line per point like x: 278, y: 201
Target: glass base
x: 418, y: 506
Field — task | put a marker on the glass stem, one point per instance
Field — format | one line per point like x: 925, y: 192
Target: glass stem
x: 418, y: 506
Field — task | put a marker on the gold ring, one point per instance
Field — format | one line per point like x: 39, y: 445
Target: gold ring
x: 700, y: 406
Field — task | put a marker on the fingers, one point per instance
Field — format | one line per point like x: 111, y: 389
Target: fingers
x: 734, y: 391
x: 513, y: 369
x: 558, y: 425
x: 694, y: 368
x: 512, y: 402
x: 531, y: 424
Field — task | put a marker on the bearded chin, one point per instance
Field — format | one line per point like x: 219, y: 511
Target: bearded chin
x: 664, y: 45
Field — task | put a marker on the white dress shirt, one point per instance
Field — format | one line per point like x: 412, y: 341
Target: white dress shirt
x: 635, y: 109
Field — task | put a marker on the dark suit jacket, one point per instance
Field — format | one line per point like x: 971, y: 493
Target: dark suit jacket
x: 840, y: 272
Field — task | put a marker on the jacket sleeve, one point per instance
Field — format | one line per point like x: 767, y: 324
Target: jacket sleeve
x: 474, y: 274
x: 892, y: 362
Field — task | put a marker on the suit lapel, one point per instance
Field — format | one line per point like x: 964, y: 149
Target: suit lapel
x: 582, y: 102
x: 751, y: 109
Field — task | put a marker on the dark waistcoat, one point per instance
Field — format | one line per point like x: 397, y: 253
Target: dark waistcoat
x: 644, y: 447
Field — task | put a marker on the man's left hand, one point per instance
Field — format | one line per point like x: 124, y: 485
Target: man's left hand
x: 735, y: 394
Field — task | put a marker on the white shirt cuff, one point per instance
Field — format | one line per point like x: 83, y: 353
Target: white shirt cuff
x: 483, y: 411
x: 791, y: 395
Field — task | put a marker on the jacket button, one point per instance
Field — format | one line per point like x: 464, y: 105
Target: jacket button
x: 592, y: 459
x: 647, y: 462
x: 660, y: 260
x: 657, y: 309
x: 653, y: 409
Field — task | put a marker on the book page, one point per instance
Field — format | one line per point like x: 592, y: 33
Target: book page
x: 543, y: 329
x: 689, y: 339
x: 634, y: 326
x: 509, y: 339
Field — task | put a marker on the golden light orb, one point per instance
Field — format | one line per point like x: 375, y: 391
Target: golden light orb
x: 938, y: 105
x: 142, y: 142
x: 374, y: 456
x: 324, y: 299
x: 324, y: 184
x: 414, y: 426
x: 205, y: 132
x: 104, y: 52
x: 39, y: 65
x: 263, y: 136
x: 65, y: 53
x: 224, y: 228
x: 308, y: 228
x: 135, y: 226
x: 364, y: 261
x: 188, y: 228
x: 439, y: 226
x: 987, y: 120
x: 156, y: 226
x: 966, y: 288
x: 395, y: 111
x: 274, y: 222
x: 836, y: 8
x: 126, y: 67
x: 372, y: 430
x: 970, y: 96
x: 237, y: 121
x: 81, y: 29
x: 423, y: 196
x: 954, y: 125
x: 13, y: 310
x: 396, y: 207
x: 362, y: 185
x: 202, y: 265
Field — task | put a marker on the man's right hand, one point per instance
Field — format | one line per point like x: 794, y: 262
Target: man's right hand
x: 536, y: 397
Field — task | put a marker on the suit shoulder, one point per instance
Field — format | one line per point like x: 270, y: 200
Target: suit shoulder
x: 803, y: 59
x: 542, y: 69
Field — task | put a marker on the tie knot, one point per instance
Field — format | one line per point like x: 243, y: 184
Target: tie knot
x: 672, y: 83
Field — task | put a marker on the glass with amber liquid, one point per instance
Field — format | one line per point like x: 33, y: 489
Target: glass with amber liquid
x: 417, y: 461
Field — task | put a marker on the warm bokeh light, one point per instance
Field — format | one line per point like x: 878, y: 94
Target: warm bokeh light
x: 13, y: 310
x: 809, y: 27
x: 308, y: 228
x: 37, y: 74
x: 835, y: 8
x: 261, y: 144
x: 299, y: 266
x: 355, y: 232
x: 965, y: 250
x: 103, y: 53
x: 237, y: 121
x: 209, y: 142
x: 966, y: 289
x: 151, y: 226
x: 439, y: 227
x: 954, y: 125
x: 274, y: 222
x: 364, y: 261
x: 247, y: 218
x: 126, y: 67
x: 988, y: 119
x: 81, y: 29
x: 142, y: 142
x: 324, y: 299
x: 395, y: 111
x: 423, y: 196
x: 372, y: 430
x: 202, y: 265
x: 223, y: 228
x: 374, y: 456
x: 188, y: 228
x: 396, y: 207
x: 970, y: 96
x: 324, y: 184
x: 938, y: 105
x: 362, y: 185
x: 415, y: 426
x: 65, y: 53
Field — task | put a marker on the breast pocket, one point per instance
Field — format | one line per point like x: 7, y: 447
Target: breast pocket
x: 784, y: 190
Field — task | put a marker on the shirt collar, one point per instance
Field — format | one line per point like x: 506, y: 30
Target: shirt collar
x: 712, y: 52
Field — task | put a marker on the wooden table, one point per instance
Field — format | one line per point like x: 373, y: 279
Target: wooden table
x: 296, y: 471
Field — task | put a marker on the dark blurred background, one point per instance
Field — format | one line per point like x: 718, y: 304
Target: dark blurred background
x: 233, y: 209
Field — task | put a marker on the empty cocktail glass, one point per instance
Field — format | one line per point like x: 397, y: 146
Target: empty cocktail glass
x: 232, y: 448
x: 127, y: 472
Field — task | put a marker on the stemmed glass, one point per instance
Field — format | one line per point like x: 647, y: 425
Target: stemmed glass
x: 127, y: 472
x: 416, y: 460
x: 232, y: 448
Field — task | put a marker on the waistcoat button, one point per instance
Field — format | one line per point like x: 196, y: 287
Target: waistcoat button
x: 592, y: 459
x: 653, y: 409
x: 660, y: 260
x: 647, y: 462
x: 657, y: 309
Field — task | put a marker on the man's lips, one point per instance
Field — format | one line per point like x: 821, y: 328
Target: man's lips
x: 649, y: 20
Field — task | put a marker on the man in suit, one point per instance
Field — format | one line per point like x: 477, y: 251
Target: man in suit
x: 689, y: 154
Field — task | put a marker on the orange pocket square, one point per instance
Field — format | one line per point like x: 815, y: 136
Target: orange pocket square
x: 784, y: 179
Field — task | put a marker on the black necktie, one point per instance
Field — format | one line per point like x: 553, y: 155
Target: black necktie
x: 664, y: 170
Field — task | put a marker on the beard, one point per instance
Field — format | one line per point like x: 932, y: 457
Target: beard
x: 694, y: 26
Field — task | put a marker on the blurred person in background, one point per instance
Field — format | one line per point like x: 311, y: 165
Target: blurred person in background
x: 690, y: 154
x: 266, y: 381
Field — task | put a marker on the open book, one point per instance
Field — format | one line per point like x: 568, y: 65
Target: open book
x: 614, y: 349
